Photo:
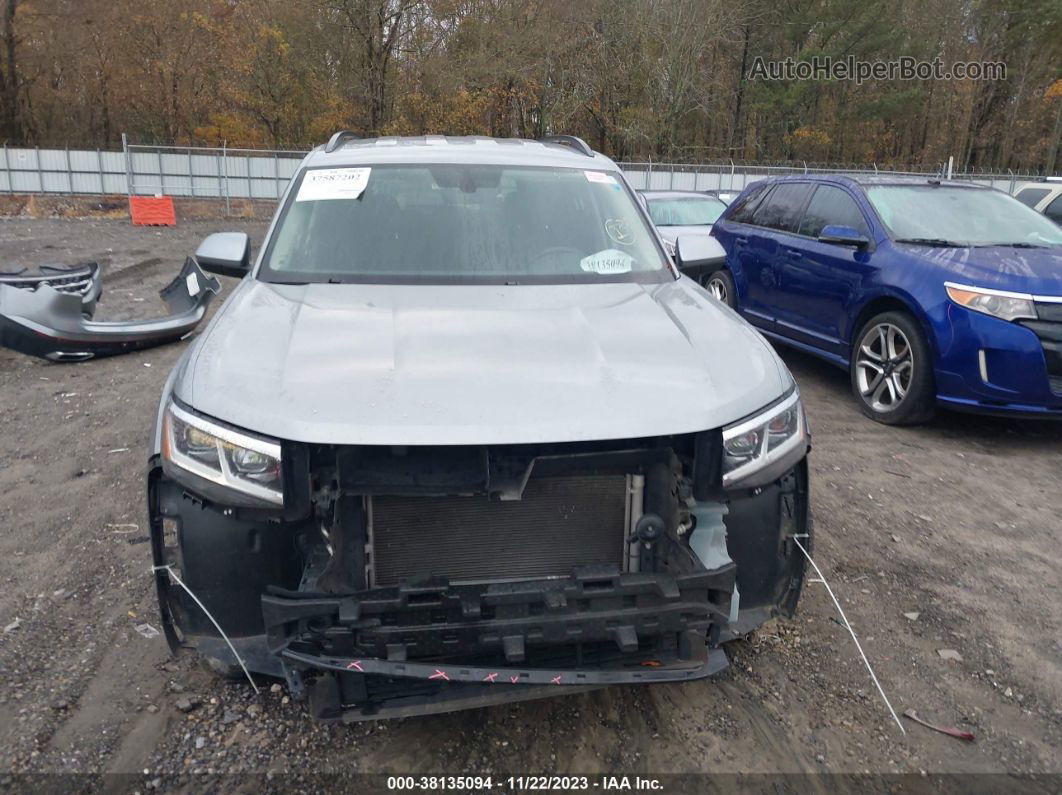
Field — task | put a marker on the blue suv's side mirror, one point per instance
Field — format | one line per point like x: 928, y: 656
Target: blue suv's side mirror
x: 840, y: 235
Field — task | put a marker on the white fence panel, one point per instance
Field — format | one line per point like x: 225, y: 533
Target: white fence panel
x: 264, y: 174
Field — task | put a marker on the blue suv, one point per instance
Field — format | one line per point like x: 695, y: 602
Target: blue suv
x: 928, y: 292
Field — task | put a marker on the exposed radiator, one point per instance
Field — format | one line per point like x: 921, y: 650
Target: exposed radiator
x: 559, y: 523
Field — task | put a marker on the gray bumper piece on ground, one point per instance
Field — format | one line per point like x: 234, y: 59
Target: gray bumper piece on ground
x: 82, y: 279
x: 56, y: 325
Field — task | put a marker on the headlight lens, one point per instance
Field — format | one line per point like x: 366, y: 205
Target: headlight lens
x: 998, y: 303
x: 230, y: 458
x: 760, y: 449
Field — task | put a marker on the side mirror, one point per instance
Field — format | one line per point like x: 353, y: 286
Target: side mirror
x: 843, y: 236
x: 698, y: 251
x: 226, y: 253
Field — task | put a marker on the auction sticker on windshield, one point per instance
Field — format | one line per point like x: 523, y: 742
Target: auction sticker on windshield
x: 600, y: 176
x: 611, y: 260
x: 323, y: 184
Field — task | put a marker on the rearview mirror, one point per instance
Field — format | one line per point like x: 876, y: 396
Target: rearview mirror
x: 843, y: 236
x: 696, y: 251
x: 226, y: 253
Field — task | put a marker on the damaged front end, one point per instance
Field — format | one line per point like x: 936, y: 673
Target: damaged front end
x: 392, y: 581
x: 49, y: 314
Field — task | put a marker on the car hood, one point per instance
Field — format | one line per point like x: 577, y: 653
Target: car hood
x: 1024, y: 270
x: 670, y: 233
x: 432, y: 365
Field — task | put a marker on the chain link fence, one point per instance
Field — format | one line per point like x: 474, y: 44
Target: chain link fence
x: 735, y: 175
x: 224, y: 173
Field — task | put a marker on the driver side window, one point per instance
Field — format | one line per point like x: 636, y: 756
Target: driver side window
x: 831, y: 206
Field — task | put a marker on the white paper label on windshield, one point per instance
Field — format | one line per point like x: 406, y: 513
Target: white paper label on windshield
x: 323, y: 184
x: 193, y: 284
x: 611, y: 260
x: 600, y: 176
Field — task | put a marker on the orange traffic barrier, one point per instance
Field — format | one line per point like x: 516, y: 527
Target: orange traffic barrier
x: 152, y: 211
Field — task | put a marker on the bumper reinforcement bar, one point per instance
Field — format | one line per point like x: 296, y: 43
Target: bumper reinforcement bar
x: 440, y: 620
x: 445, y: 672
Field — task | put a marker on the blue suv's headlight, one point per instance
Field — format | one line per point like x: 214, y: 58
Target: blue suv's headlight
x: 998, y: 303
x: 760, y: 449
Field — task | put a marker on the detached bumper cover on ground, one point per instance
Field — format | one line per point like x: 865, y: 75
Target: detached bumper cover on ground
x: 47, y: 317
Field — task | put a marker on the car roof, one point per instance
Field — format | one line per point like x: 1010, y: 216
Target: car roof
x: 469, y: 150
x: 674, y: 194
x: 866, y: 180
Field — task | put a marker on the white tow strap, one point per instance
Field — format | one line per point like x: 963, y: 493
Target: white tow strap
x: 169, y: 570
x: 851, y: 631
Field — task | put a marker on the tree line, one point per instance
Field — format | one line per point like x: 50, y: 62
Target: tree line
x: 638, y: 79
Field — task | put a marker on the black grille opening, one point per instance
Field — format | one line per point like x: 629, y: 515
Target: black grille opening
x: 1049, y: 331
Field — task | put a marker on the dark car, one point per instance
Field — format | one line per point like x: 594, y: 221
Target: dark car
x: 929, y: 292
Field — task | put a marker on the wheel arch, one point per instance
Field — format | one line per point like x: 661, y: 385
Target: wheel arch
x: 889, y: 302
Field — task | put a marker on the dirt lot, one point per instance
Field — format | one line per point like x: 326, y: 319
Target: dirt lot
x: 958, y: 522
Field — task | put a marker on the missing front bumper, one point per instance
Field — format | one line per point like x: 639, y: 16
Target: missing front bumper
x: 403, y: 636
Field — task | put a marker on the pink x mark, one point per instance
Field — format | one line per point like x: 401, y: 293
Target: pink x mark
x: 490, y: 678
x: 556, y: 680
x: 356, y: 665
x: 439, y: 675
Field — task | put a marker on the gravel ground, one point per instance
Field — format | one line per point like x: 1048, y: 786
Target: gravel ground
x: 936, y: 539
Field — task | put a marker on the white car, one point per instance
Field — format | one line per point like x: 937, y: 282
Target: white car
x: 1044, y: 197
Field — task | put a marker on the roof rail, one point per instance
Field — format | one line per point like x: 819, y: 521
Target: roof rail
x: 576, y: 143
x: 337, y: 140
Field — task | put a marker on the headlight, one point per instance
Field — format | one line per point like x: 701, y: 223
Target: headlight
x: 998, y: 303
x: 758, y: 450
x: 229, y: 458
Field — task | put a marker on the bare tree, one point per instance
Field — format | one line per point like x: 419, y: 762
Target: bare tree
x: 378, y: 28
x: 10, y: 128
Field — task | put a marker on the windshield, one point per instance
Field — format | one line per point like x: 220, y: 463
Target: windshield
x: 685, y: 211
x: 465, y: 224
x: 956, y: 216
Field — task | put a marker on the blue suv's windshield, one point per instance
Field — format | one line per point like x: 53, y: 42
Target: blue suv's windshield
x: 466, y: 224
x: 957, y: 216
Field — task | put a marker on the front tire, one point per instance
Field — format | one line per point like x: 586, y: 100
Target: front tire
x: 720, y: 285
x: 892, y: 370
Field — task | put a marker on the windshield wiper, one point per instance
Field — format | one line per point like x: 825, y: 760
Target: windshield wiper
x: 1011, y: 245
x: 931, y: 241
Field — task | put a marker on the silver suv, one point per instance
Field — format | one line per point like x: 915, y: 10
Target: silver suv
x: 463, y: 434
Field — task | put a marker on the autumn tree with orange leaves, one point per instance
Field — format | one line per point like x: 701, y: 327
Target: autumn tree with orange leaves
x: 660, y: 79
